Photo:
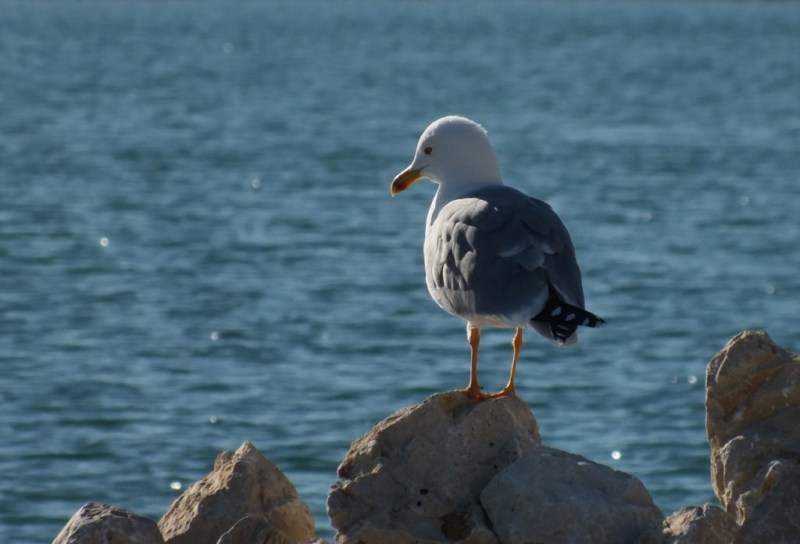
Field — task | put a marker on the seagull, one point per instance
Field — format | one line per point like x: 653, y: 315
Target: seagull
x: 494, y: 256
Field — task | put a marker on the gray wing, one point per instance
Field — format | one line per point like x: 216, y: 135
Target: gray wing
x: 497, y: 252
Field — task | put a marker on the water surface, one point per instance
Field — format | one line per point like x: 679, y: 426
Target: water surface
x: 198, y: 246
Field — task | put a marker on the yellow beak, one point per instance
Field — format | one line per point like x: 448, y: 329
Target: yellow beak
x: 405, y: 179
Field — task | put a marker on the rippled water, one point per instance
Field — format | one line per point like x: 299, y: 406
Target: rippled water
x: 198, y: 246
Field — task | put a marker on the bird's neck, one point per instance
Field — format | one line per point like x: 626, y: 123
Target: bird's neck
x: 448, y: 192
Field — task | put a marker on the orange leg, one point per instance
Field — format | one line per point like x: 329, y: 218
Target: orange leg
x: 508, y: 390
x: 473, y: 388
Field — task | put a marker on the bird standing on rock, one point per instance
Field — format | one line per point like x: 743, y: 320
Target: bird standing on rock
x: 494, y: 256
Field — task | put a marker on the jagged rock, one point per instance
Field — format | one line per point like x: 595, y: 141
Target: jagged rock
x: 242, y: 484
x: 554, y: 496
x: 103, y: 524
x: 705, y: 524
x: 775, y: 517
x: 416, y: 476
x: 752, y: 410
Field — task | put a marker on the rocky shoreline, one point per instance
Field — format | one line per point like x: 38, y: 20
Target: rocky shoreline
x: 454, y: 470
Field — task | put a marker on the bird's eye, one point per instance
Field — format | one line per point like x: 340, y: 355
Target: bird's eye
x: 428, y: 150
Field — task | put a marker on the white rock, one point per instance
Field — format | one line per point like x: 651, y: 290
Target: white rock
x: 416, y: 476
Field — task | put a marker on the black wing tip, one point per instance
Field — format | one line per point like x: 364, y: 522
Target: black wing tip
x: 564, y: 319
x: 561, y: 331
x: 593, y: 321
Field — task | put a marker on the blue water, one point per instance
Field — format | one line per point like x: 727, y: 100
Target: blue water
x: 198, y: 247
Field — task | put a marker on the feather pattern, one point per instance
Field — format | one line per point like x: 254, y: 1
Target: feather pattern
x: 493, y: 256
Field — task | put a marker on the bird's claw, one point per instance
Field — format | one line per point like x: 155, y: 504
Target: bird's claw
x: 474, y: 392
x: 506, y: 392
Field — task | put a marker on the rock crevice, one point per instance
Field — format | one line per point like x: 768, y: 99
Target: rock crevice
x: 453, y: 470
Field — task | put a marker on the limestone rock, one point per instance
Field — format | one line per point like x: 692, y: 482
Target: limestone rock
x: 557, y: 497
x: 242, y: 484
x: 416, y: 476
x: 705, y: 524
x: 775, y: 516
x: 103, y: 524
x: 253, y: 530
x: 752, y: 410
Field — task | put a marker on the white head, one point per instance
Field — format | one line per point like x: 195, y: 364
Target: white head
x: 452, y: 150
